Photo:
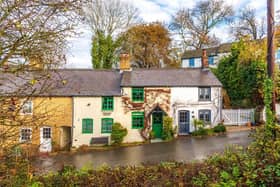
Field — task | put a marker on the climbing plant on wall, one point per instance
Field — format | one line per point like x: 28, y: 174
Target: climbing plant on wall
x: 242, y: 73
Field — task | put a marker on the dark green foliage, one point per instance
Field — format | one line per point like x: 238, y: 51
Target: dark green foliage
x: 243, y: 81
x: 103, y: 51
x: 258, y: 165
x: 200, y: 132
x: 14, y: 170
x: 167, y: 131
x: 219, y: 128
x: 118, y: 133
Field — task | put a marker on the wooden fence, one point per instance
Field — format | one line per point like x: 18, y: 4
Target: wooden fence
x: 238, y: 116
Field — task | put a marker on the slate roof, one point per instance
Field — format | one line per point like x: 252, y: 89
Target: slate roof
x: 169, y: 77
x: 223, y: 48
x: 88, y: 82
x: 67, y: 82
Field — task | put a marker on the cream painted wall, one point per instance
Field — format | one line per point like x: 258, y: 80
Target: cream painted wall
x: 186, y: 98
x: 91, y: 107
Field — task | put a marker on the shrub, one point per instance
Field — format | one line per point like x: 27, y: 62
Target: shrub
x: 198, y: 124
x: 200, y: 132
x: 118, y: 133
x: 219, y: 128
x: 152, y: 135
x: 167, y: 131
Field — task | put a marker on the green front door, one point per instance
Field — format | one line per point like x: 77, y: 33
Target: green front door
x: 157, y: 124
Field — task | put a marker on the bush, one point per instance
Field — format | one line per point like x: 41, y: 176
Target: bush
x: 167, y: 131
x: 198, y: 124
x: 200, y: 132
x: 219, y: 128
x: 118, y: 133
x: 258, y: 165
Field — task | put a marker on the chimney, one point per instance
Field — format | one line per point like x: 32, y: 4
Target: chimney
x: 35, y: 63
x: 204, y: 60
x: 124, y: 62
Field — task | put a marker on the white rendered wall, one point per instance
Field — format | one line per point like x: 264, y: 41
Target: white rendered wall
x: 186, y: 98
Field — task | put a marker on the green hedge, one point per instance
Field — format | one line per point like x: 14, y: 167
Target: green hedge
x: 257, y: 165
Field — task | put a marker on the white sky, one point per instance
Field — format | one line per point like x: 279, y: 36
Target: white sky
x: 155, y: 10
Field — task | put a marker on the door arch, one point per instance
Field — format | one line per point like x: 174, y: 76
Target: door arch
x: 157, y: 122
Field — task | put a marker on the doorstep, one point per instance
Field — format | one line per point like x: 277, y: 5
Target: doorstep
x: 156, y: 140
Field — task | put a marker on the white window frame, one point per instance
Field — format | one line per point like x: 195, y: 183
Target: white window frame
x: 23, y: 105
x: 20, y: 135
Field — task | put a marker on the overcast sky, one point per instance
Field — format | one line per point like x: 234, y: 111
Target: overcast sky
x: 155, y: 10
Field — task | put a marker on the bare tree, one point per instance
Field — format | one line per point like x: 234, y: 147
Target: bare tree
x: 194, y: 25
x: 110, y: 17
x: 247, y: 25
x: 35, y: 29
x: 30, y: 31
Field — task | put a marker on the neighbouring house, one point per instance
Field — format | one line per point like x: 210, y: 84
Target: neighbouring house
x: 192, y: 58
x: 40, y: 109
x: 84, y: 103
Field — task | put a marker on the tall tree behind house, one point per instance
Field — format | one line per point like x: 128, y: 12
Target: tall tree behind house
x: 107, y: 20
x: 194, y: 25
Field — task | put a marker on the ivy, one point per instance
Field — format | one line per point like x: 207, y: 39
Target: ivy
x: 242, y: 75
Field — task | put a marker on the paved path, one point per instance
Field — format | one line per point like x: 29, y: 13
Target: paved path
x: 182, y: 149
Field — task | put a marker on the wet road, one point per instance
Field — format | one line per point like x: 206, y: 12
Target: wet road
x: 182, y: 149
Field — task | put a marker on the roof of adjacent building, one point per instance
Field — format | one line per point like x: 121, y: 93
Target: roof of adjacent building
x: 88, y: 82
x: 64, y: 82
x: 223, y: 48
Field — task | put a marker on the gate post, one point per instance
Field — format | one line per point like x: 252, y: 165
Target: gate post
x: 238, y: 117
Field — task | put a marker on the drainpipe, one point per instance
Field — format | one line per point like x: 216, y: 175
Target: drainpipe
x: 72, y: 129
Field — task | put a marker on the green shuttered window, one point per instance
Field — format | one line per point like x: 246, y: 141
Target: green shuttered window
x: 108, y: 103
x: 138, y: 94
x: 87, y: 126
x: 137, y: 120
x: 106, y: 126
